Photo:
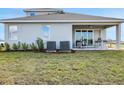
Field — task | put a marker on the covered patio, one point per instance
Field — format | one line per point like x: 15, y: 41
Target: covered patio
x: 92, y: 36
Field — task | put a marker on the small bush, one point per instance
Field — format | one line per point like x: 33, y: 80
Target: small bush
x: 33, y: 47
x: 19, y: 45
x: 7, y: 46
x: 0, y: 47
x: 40, y: 44
x: 24, y: 46
x: 15, y: 46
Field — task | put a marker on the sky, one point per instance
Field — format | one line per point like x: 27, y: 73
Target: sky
x: 107, y: 12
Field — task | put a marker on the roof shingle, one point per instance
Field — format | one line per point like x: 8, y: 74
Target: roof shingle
x: 63, y: 16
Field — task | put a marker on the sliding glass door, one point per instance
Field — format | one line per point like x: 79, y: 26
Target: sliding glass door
x: 83, y: 38
x: 90, y: 38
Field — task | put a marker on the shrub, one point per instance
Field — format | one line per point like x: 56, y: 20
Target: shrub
x: 19, y: 45
x: 40, y: 44
x: 0, y: 47
x: 15, y: 46
x: 7, y: 46
x: 24, y: 46
x: 33, y: 47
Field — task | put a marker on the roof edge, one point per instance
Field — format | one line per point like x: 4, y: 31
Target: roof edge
x: 19, y: 21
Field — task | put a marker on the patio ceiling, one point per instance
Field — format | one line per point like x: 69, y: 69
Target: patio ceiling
x: 91, y: 26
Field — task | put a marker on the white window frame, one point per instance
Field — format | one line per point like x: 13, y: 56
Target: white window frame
x: 42, y: 32
x: 87, y: 36
x: 13, y: 32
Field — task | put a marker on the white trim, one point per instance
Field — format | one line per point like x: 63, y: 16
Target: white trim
x: 118, y: 36
x: 87, y: 29
x: 101, y: 32
x: 2, y: 21
x: 97, y: 23
x: 93, y: 36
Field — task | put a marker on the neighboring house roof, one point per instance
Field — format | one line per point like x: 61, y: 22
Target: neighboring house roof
x: 63, y: 17
x: 42, y: 10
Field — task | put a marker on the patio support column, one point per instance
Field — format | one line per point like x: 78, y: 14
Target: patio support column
x: 118, y: 35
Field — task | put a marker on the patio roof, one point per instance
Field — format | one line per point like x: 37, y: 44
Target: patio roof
x: 91, y: 26
x: 64, y: 17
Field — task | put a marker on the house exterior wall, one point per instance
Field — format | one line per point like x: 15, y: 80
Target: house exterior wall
x: 61, y: 32
x: 26, y: 33
x: 29, y: 32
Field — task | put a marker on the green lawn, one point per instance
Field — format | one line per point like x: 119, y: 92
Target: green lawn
x: 86, y: 67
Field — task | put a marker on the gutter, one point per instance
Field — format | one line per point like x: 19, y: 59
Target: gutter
x: 61, y: 21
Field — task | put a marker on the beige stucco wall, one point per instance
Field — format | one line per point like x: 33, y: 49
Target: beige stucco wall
x: 28, y: 32
x: 61, y: 32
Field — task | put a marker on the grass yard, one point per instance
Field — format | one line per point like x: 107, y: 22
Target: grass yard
x: 86, y: 67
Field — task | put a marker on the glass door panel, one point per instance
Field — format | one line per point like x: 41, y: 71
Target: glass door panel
x: 78, y: 36
x: 90, y: 38
x: 84, y: 37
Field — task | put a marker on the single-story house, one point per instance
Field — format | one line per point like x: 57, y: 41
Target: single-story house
x: 81, y: 30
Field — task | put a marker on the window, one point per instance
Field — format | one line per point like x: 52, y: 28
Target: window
x: 13, y: 32
x: 45, y: 32
x: 84, y: 37
x: 32, y: 14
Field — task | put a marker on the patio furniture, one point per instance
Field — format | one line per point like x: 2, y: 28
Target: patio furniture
x: 99, y: 43
x: 79, y: 44
x: 51, y: 46
x: 105, y: 43
x: 64, y: 46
